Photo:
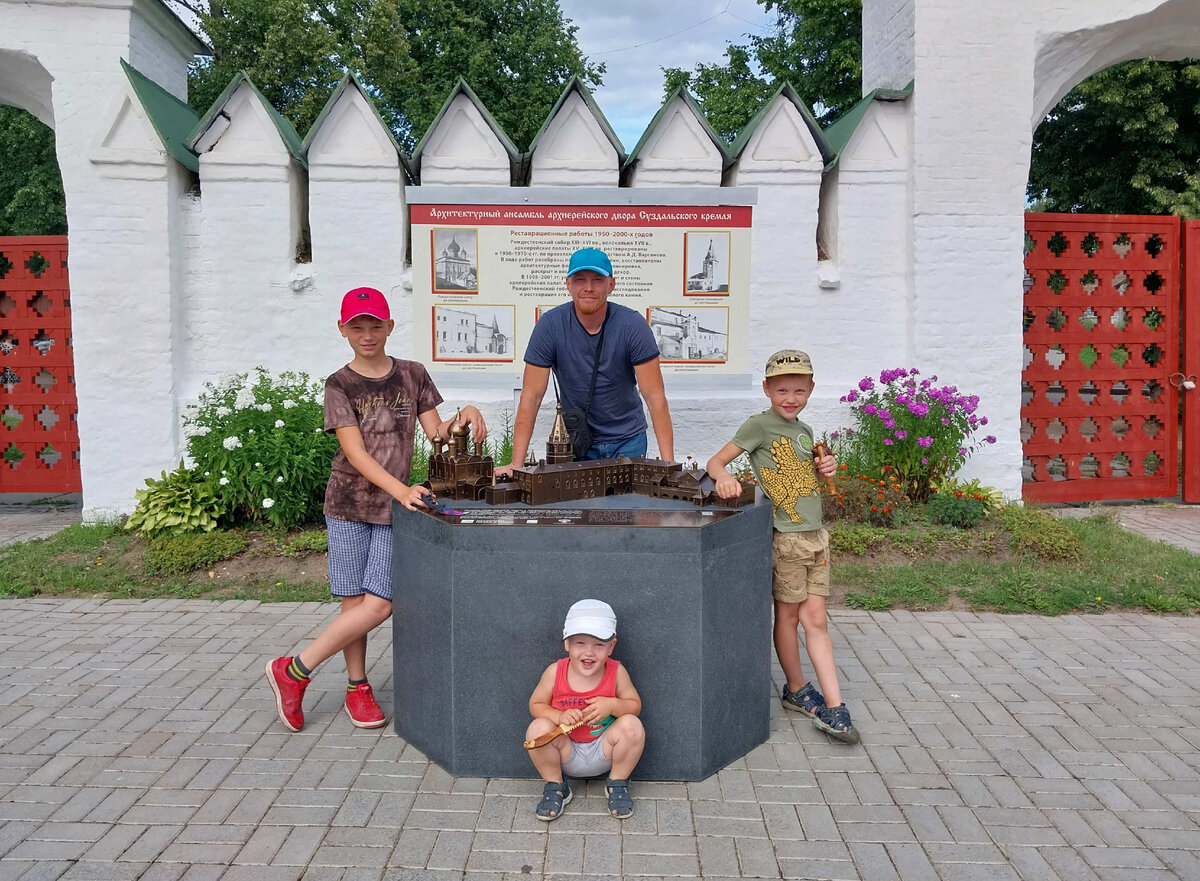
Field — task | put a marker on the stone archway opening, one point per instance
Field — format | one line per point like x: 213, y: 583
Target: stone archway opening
x: 1102, y: 316
x: 39, y: 440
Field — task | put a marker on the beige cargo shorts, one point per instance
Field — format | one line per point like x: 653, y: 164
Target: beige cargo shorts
x: 800, y: 565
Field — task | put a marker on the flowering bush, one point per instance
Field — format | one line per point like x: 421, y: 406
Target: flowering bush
x: 924, y: 431
x: 259, y: 443
x: 860, y: 498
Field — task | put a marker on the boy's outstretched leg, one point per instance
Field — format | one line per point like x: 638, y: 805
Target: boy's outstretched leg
x: 833, y: 718
x: 623, y: 743
x: 798, y: 694
x: 289, y: 677
x: 548, y: 760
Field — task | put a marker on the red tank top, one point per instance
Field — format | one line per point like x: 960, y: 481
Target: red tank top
x: 565, y: 698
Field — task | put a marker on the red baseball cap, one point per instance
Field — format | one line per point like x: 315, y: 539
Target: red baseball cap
x: 365, y: 301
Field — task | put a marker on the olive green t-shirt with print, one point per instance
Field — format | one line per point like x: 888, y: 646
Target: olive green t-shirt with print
x: 781, y: 455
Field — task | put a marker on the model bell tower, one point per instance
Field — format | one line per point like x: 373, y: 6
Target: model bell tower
x: 559, y: 448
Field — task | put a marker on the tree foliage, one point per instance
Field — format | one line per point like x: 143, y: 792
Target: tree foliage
x: 31, y: 193
x: 816, y: 46
x: 517, y: 55
x: 1124, y: 141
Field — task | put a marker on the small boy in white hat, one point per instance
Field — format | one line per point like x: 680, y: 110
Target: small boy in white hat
x: 589, y: 690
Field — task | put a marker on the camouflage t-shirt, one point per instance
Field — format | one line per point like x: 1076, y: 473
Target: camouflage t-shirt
x: 780, y: 452
x: 385, y: 411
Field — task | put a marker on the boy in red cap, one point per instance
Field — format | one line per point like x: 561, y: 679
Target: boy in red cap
x: 373, y: 405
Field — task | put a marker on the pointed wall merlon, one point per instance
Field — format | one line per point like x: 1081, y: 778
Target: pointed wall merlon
x: 242, y: 128
x: 349, y: 134
x: 129, y: 137
x: 463, y: 142
x: 881, y: 141
x: 679, y: 148
x: 170, y: 119
x: 781, y: 148
x: 574, y: 149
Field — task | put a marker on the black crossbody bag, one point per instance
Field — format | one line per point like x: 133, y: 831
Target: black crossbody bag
x: 575, y: 418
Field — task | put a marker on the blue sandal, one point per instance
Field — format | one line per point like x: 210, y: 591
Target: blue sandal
x: 555, y: 796
x: 620, y: 805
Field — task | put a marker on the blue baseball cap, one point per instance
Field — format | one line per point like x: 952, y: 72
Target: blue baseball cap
x: 590, y: 258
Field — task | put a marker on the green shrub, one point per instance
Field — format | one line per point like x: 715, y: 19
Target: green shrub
x: 856, y: 540
x: 179, y: 502
x: 176, y: 554
x: 261, y: 446
x: 1035, y: 532
x: 956, y: 509
x: 312, y: 541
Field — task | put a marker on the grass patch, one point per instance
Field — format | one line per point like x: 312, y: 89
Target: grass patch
x: 1023, y: 561
x: 313, y: 541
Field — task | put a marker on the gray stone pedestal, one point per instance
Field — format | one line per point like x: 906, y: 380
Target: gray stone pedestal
x: 479, y: 612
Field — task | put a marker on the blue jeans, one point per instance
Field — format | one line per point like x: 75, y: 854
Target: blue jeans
x: 632, y: 447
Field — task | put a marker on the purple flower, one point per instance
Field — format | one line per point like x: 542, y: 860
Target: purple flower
x: 852, y: 396
x: 919, y: 409
x: 901, y: 434
x: 866, y: 384
x: 887, y: 441
x: 833, y: 436
x: 962, y: 451
x: 983, y: 420
x: 991, y: 438
x: 924, y: 461
x: 924, y: 441
x: 945, y: 421
x: 869, y: 409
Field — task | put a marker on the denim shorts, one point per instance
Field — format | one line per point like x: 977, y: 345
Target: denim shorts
x: 634, y: 447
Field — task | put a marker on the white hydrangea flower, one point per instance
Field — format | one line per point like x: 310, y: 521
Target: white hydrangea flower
x: 258, y: 464
x: 232, y: 443
x: 244, y: 399
x: 224, y: 481
x: 279, y: 423
x: 222, y: 412
x: 251, y: 431
x: 203, y: 430
x: 279, y: 479
x: 266, y: 408
x: 267, y: 503
x: 288, y: 404
x: 206, y: 473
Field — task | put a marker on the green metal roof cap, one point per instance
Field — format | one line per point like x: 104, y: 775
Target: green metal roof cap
x: 173, y: 120
x: 462, y: 87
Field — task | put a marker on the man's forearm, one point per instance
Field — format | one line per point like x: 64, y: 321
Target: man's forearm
x: 660, y: 418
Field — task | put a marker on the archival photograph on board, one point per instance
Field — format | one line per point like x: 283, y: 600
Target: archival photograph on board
x: 691, y: 334
x: 455, y: 261
x: 473, y: 332
x: 706, y: 263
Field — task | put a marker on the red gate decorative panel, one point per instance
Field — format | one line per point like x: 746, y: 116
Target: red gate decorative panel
x: 1098, y: 410
x: 39, y: 440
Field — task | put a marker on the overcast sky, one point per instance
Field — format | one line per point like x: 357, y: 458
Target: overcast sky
x: 636, y: 38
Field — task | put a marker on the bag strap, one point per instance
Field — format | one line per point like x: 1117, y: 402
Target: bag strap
x: 596, y: 363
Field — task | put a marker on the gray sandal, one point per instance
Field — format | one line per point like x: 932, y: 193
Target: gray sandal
x: 555, y: 796
x: 620, y: 805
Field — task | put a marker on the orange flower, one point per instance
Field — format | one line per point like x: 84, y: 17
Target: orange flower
x: 873, y: 508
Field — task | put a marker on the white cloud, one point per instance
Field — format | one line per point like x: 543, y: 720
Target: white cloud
x: 635, y: 39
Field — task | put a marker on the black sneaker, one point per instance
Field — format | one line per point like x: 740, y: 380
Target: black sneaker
x: 835, y: 721
x: 807, y: 700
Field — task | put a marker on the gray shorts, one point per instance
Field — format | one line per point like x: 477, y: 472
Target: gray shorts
x: 587, y: 759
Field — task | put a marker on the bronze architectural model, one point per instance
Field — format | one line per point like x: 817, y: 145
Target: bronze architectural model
x: 456, y: 473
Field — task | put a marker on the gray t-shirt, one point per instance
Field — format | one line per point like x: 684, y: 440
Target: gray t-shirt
x: 385, y: 411
x: 560, y: 342
x: 781, y: 455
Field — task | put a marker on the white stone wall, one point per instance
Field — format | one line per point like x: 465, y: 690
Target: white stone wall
x: 921, y: 217
x: 888, y: 48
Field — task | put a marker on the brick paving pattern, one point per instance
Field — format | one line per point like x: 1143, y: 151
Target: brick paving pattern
x: 138, y: 740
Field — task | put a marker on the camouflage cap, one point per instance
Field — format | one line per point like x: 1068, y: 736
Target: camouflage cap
x: 788, y: 361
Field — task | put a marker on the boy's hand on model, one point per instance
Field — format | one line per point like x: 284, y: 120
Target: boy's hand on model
x: 827, y: 466
x: 599, y: 709
x: 413, y: 497
x: 570, y: 717
x: 728, y: 487
x: 471, y: 415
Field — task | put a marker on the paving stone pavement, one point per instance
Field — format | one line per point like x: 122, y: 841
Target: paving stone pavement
x: 138, y: 740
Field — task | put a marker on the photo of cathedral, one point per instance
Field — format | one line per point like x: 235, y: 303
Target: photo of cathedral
x: 706, y: 263
x: 455, y: 260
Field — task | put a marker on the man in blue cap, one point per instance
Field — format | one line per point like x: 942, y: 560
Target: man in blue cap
x: 566, y: 340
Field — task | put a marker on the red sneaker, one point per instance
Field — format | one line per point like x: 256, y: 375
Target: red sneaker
x: 362, y: 709
x: 289, y: 694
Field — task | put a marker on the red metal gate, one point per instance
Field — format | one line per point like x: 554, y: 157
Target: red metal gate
x: 1101, y: 320
x: 39, y: 440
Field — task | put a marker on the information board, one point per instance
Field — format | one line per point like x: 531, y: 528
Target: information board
x: 483, y: 274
